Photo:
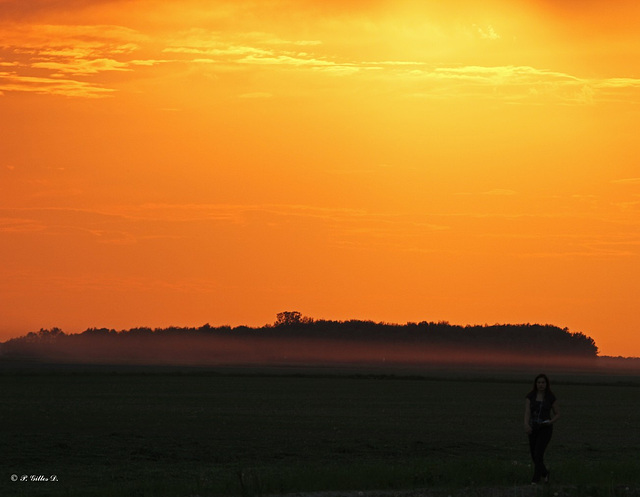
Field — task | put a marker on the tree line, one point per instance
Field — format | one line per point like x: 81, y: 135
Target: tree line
x: 294, y: 337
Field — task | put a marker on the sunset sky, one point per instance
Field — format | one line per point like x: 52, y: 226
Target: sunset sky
x: 189, y: 162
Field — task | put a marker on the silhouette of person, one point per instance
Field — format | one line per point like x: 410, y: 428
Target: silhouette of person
x: 540, y: 413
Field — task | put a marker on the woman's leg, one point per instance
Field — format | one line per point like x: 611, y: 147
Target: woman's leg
x: 533, y: 442
x: 542, y: 439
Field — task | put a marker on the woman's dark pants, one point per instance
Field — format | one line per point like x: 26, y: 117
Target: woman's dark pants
x: 539, y: 438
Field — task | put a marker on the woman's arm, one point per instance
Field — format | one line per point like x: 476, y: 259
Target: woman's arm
x: 556, y: 412
x: 527, y: 415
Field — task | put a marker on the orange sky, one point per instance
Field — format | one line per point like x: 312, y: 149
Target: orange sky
x: 178, y: 163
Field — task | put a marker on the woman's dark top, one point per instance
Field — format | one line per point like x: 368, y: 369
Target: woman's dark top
x: 540, y: 410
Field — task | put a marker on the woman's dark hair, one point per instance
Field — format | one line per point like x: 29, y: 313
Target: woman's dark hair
x: 534, y: 390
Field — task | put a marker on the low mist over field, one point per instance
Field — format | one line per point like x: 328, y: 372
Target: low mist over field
x: 297, y: 340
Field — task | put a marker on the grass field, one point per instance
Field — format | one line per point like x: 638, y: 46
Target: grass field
x: 140, y: 432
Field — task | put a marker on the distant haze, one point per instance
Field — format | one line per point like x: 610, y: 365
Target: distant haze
x: 309, y: 342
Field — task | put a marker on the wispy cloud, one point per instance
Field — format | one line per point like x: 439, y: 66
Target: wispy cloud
x: 501, y: 192
x: 19, y: 225
x: 536, y: 236
x: 246, y: 49
x: 13, y: 81
x: 498, y: 74
x: 132, y: 224
x: 627, y: 181
x: 486, y: 32
x: 73, y: 60
x: 497, y: 192
x: 509, y: 83
x: 520, y: 84
x: 617, y: 83
x: 83, y: 66
x: 62, y: 222
x: 254, y: 95
x: 65, y: 59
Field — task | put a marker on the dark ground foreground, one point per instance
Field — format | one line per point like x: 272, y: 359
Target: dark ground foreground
x: 111, y: 431
x: 516, y: 491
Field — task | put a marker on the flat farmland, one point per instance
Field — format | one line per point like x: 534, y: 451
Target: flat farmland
x: 225, y: 433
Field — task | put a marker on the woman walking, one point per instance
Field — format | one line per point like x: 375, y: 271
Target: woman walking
x: 540, y: 413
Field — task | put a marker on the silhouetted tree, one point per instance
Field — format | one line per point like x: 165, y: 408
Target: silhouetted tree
x: 288, y: 318
x: 294, y: 335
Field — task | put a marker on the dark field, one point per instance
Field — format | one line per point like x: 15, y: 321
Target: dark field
x: 171, y: 432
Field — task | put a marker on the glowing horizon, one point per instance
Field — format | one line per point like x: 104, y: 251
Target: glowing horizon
x: 182, y: 163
